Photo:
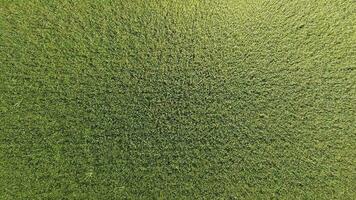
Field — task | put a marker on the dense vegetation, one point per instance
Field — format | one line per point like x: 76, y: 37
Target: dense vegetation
x: 129, y: 99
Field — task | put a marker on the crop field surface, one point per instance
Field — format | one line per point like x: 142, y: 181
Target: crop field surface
x: 168, y: 99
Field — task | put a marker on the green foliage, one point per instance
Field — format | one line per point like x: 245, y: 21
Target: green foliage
x: 164, y: 99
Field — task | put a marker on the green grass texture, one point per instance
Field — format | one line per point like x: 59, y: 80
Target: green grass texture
x: 169, y: 99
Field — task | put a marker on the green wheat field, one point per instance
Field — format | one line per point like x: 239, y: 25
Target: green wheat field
x: 173, y: 99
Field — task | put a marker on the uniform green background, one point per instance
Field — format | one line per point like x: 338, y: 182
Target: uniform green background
x: 225, y: 99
